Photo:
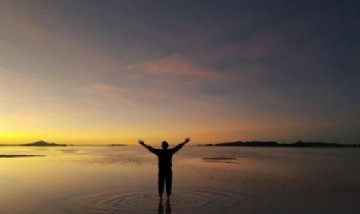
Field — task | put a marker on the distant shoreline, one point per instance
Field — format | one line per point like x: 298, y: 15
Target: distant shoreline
x: 42, y: 143
x: 299, y: 144
x: 20, y: 156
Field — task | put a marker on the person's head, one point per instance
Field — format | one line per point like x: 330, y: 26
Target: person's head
x: 164, y: 145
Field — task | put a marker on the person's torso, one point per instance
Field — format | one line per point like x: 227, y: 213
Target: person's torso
x: 165, y: 159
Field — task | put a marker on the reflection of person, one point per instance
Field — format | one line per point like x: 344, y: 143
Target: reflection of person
x: 167, y: 207
x: 164, y: 164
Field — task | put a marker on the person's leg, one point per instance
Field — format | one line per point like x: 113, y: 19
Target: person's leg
x: 161, y: 180
x: 168, y: 182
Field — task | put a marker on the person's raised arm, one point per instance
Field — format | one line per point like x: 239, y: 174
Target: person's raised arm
x: 141, y: 142
x: 178, y: 147
x: 187, y: 140
x: 151, y: 149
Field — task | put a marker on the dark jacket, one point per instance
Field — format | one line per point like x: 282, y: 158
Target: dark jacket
x: 165, y: 156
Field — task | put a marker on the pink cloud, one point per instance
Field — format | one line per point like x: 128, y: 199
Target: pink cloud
x: 102, y: 89
x: 178, y: 66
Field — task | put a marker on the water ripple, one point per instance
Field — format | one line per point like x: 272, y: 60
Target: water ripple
x: 148, y: 202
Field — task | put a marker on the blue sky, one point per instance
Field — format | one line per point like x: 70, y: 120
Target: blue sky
x: 115, y: 71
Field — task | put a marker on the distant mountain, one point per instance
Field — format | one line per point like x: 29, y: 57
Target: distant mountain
x: 321, y: 144
x: 117, y: 144
x: 298, y: 144
x: 42, y: 143
x: 20, y: 156
x: 249, y: 143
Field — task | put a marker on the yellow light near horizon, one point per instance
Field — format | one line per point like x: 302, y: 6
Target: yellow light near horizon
x: 103, y: 133
x: 13, y: 138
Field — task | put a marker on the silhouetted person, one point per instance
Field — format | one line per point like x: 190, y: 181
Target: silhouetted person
x: 164, y: 164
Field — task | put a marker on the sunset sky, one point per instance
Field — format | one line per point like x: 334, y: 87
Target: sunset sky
x: 108, y: 71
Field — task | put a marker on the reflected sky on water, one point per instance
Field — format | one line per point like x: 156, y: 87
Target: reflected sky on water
x: 206, y: 179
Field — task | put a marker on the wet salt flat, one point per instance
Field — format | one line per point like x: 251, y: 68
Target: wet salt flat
x: 206, y: 180
x: 148, y: 202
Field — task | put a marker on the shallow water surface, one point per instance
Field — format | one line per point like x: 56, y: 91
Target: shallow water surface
x: 206, y: 180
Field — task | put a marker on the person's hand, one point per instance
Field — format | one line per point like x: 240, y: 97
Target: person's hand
x: 141, y: 142
x: 187, y: 140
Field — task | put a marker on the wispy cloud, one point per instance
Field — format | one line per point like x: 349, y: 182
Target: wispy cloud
x: 177, y: 65
x: 18, y: 88
x: 104, y: 89
x: 103, y: 92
